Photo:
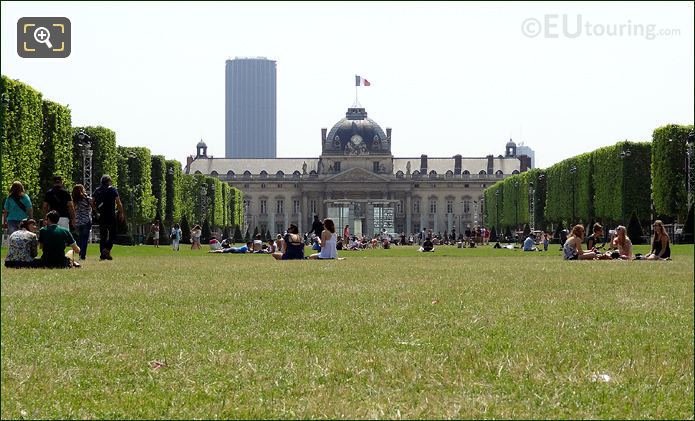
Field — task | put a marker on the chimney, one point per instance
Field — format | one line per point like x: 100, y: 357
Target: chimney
x: 189, y: 161
x: 388, y: 133
x: 423, y: 164
x: 525, y: 163
x: 490, y: 164
x: 457, y: 164
x: 323, y: 134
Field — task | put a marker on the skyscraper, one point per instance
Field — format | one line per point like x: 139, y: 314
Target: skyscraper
x: 250, y: 108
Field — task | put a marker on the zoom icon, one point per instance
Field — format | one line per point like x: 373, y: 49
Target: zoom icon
x: 43, y: 37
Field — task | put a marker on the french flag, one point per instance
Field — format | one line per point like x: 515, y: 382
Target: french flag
x: 360, y: 81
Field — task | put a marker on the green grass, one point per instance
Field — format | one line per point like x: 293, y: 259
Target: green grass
x: 460, y: 333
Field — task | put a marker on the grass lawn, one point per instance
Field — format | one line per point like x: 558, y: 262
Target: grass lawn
x: 459, y: 333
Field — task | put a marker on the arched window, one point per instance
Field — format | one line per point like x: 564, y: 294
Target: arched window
x: 433, y: 174
x: 416, y: 173
x: 515, y: 172
x: 280, y: 174
x: 466, y: 172
x: 198, y: 172
x: 230, y: 174
x: 399, y: 174
x: 247, y: 174
x: 296, y: 174
x: 264, y: 174
x: 482, y: 172
x: 313, y: 172
x: 449, y: 174
x: 214, y: 174
x: 499, y: 172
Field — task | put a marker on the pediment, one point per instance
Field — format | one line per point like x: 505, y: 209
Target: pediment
x: 357, y: 175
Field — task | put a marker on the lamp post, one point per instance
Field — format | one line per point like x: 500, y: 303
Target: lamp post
x: 87, y: 153
x: 516, y: 204
x: 531, y: 207
x: 573, y: 171
x: 623, y: 155
x: 497, y: 212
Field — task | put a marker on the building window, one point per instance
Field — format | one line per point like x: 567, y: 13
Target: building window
x: 433, y: 206
x: 465, y: 186
x: 295, y: 207
x: 264, y: 207
x: 279, y: 186
x: 399, y: 207
x: 262, y: 185
x: 466, y: 206
x: 246, y: 186
x: 313, y: 207
x: 280, y: 206
x: 434, y: 186
x: 263, y: 228
x: 416, y: 206
x: 336, y: 166
x: 375, y: 167
x: 449, y: 206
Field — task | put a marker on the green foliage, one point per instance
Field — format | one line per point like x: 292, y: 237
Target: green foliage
x: 104, y: 157
x: 225, y: 233
x: 562, y: 186
x: 516, y: 201
x: 56, y: 148
x: 22, y: 132
x: 174, y: 203
x: 267, y: 236
x: 158, y: 181
x: 136, y: 189
x: 634, y: 229
x: 538, y: 177
x: 494, y: 201
x: 206, y: 233
x: 668, y: 160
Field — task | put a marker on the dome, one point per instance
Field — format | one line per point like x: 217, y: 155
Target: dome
x: 201, y: 144
x: 511, y: 144
x: 356, y: 135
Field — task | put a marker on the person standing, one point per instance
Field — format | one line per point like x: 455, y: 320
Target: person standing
x: 17, y: 207
x: 346, y: 232
x: 546, y: 241
x: 154, y: 229
x: 83, y: 217
x: 59, y: 200
x: 175, y: 237
x: 317, y: 227
x: 196, y: 233
x: 105, y: 200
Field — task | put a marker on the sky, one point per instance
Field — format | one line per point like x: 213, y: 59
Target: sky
x: 449, y: 78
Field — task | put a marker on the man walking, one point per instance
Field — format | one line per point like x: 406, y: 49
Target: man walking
x: 104, y: 201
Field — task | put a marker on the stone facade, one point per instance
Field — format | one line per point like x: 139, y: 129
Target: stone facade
x: 357, y: 181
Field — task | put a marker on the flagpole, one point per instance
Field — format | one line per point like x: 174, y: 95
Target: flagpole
x: 356, y: 100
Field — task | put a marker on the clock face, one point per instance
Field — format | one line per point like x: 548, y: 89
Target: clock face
x: 356, y: 140
x: 356, y: 146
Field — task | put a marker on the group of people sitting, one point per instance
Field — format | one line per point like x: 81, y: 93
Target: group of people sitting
x: 620, y: 245
x: 291, y: 245
x: 24, y: 245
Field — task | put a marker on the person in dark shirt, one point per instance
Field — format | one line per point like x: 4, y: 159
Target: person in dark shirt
x: 52, y: 240
x: 427, y: 245
x: 105, y: 200
x: 595, y: 239
x: 58, y: 199
x: 317, y: 226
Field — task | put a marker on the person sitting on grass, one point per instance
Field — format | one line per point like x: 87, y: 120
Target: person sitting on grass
x: 257, y: 243
x: 427, y: 245
x: 660, y: 244
x: 23, y: 247
x: 572, y: 249
x: 595, y: 239
x: 243, y: 249
x: 292, y: 245
x: 316, y: 244
x: 328, y: 242
x: 530, y: 243
x: 52, y: 240
x: 622, y: 243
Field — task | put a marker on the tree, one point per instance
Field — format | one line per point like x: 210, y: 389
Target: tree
x: 247, y: 236
x: 225, y: 233
x: 688, y: 228
x: 634, y: 229
x: 185, y: 230
x: 267, y: 235
x: 207, y: 234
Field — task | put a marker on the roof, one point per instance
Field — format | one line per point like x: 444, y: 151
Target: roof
x: 254, y: 165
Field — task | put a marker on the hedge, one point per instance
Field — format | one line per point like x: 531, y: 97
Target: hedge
x: 515, y: 199
x: 104, y: 154
x: 158, y: 181
x: 669, y: 177
x: 56, y: 147
x: 22, y: 132
x: 135, y: 164
x: 561, y: 185
x: 493, y: 202
x: 173, y: 209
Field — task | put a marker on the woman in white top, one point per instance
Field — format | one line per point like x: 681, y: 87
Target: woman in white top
x: 196, y: 232
x: 328, y: 242
x: 622, y: 243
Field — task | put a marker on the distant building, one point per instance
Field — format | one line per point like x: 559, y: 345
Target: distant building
x: 250, y: 108
x: 522, y: 149
x: 358, y: 182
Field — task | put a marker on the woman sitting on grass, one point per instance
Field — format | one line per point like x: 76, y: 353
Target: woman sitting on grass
x: 292, y: 245
x: 23, y: 246
x: 661, y: 248
x: 572, y: 249
x: 328, y: 242
x: 622, y: 243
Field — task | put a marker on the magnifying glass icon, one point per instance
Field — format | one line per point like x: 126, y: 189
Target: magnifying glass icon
x: 43, y: 36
